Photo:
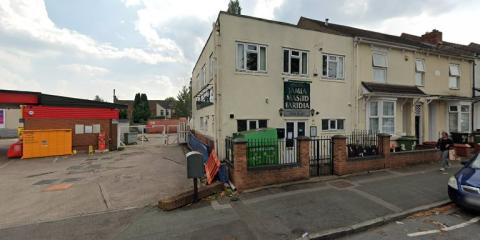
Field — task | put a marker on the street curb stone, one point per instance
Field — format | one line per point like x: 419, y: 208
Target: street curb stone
x: 376, y: 222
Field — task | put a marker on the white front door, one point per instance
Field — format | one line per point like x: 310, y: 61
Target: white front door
x: 293, y: 129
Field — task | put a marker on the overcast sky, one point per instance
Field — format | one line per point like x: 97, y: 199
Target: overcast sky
x: 89, y: 47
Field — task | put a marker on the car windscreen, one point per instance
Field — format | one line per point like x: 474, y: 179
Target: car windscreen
x: 476, y: 162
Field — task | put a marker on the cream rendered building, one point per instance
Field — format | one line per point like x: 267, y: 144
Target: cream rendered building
x: 316, y: 78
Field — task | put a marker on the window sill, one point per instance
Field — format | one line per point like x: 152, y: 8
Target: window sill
x: 332, y: 80
x: 295, y: 75
x: 333, y: 131
x: 454, y: 88
x: 251, y: 73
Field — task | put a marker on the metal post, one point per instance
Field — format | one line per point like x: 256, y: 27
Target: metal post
x: 195, y: 190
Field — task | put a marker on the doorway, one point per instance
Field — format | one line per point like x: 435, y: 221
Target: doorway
x: 418, y: 123
x: 293, y: 129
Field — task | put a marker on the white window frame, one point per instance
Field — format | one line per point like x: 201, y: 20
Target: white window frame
x: 245, y: 54
x: 210, y: 66
x: 301, y: 71
x: 420, y: 71
x: 204, y: 75
x: 330, y: 120
x: 326, y: 66
x: 380, y: 116
x: 378, y: 66
x: 459, y: 113
x: 454, y: 74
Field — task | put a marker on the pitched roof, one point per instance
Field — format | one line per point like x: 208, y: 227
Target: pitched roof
x: 312, y: 24
x: 392, y: 88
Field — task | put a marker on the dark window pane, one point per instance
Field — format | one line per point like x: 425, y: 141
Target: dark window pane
x: 295, y: 65
x: 324, y: 124
x: 281, y: 133
x: 304, y: 63
x: 301, y: 129
x: 340, y: 124
x: 262, y: 123
x: 252, y: 61
x: 241, y: 125
x: 324, y: 70
x: 285, y: 60
x: 252, y: 125
x: 333, y: 124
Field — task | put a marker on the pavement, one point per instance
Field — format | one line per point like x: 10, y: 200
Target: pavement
x: 287, y: 211
x: 55, y: 188
x: 446, y: 222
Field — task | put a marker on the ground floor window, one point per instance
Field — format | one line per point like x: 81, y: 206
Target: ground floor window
x: 332, y: 124
x: 245, y: 125
x: 381, y: 116
x: 459, y: 118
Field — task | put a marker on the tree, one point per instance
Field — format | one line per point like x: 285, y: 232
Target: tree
x: 123, y: 114
x: 141, y: 109
x: 183, y: 107
x: 98, y: 99
x: 234, y: 7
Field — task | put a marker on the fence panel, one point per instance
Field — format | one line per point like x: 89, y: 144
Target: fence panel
x: 321, y: 156
x: 270, y: 153
x: 362, y: 143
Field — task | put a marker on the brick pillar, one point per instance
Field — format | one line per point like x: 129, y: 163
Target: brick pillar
x: 383, y: 141
x: 239, y: 171
x: 304, y: 155
x: 340, y: 155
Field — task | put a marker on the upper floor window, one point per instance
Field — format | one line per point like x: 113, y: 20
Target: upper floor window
x: 251, y: 57
x: 454, y: 76
x: 203, y: 75
x: 420, y: 72
x: 211, y: 66
x: 295, y: 61
x: 333, y: 66
x: 379, y: 63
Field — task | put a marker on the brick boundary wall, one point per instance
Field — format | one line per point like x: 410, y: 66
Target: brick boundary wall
x: 385, y: 159
x: 244, y: 178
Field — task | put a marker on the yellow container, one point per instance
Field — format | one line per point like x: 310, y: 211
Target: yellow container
x: 45, y: 143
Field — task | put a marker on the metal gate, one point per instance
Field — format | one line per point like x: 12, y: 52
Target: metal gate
x: 321, y: 156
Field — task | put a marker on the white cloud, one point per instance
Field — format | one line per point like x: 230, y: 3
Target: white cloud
x: 84, y: 69
x: 30, y: 19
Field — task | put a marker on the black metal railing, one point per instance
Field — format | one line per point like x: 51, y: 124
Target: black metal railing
x: 229, y: 159
x: 362, y: 143
x: 321, y: 156
x: 271, y: 153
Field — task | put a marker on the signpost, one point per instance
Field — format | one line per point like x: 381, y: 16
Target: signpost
x: 296, y: 99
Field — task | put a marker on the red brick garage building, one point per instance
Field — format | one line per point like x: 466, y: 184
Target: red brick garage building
x: 86, y: 118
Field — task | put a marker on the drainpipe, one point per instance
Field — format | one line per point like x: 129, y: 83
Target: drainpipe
x: 355, y: 85
x: 217, y: 92
x: 473, y: 96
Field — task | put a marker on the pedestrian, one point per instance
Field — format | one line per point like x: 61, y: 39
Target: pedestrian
x: 444, y: 144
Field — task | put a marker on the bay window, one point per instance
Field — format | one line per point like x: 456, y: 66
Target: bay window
x: 251, y: 57
x: 459, y: 118
x: 454, y: 76
x: 333, y: 66
x: 381, y: 116
x: 420, y: 72
x: 295, y: 61
x: 379, y: 63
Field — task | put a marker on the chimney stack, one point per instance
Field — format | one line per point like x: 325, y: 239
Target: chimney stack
x: 434, y: 37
